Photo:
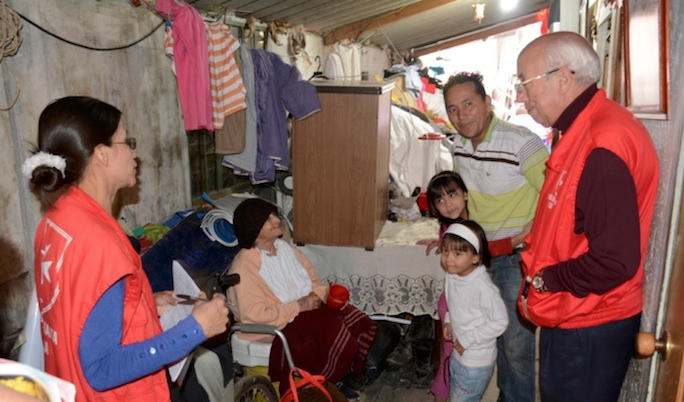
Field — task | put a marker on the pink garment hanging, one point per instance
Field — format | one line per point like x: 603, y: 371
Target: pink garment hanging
x: 191, y: 59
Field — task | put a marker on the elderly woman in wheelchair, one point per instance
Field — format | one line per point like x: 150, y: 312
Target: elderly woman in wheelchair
x: 278, y: 286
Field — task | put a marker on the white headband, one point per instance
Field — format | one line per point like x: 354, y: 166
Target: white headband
x: 43, y: 159
x: 465, y: 233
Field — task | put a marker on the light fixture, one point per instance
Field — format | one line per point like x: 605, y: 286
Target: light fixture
x: 478, y: 9
x: 508, y: 5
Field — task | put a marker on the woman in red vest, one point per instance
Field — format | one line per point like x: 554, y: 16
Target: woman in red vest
x: 99, y: 317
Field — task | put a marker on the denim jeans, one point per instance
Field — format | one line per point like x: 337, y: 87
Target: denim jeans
x: 516, y: 347
x: 467, y: 383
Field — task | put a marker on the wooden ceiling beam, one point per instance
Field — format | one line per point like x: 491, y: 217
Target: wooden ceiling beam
x: 476, y: 35
x: 355, y: 29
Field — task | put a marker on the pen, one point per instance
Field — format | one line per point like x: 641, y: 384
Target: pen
x: 191, y: 298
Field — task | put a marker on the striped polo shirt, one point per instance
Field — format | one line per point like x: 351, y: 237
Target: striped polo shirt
x: 504, y: 176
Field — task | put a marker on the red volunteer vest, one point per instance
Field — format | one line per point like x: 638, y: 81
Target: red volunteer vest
x: 602, y: 124
x: 80, y: 252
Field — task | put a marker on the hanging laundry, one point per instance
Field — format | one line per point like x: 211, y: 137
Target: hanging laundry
x: 227, y: 88
x: 428, y: 86
x: 190, y: 55
x: 279, y: 87
x: 231, y: 138
x: 244, y: 163
x: 334, y: 68
x: 351, y: 59
x: 413, y: 161
x: 411, y: 72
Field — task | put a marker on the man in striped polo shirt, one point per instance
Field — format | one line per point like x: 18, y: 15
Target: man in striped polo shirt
x: 503, y: 167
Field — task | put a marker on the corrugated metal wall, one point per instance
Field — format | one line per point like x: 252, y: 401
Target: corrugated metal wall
x: 322, y: 15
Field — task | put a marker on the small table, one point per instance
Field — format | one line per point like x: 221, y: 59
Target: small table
x: 395, y: 277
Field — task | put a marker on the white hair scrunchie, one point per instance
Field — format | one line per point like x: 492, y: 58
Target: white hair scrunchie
x: 43, y: 159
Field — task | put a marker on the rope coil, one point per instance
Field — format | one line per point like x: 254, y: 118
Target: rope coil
x: 217, y: 225
x: 10, y: 41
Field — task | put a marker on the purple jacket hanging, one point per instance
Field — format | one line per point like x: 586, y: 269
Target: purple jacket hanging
x: 279, y: 88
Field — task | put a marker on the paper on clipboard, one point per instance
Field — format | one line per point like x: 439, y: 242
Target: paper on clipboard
x: 182, y: 284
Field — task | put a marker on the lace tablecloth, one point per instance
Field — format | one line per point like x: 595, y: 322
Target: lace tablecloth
x: 396, y: 277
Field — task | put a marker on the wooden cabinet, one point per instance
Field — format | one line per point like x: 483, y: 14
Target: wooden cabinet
x: 340, y: 165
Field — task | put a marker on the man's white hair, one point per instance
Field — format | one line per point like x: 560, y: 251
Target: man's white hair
x: 574, y: 52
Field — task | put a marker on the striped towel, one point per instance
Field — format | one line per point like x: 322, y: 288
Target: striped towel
x: 227, y: 89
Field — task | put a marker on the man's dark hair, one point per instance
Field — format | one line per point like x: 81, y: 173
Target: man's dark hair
x: 462, y: 78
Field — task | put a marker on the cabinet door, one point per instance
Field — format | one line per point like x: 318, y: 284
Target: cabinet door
x: 340, y: 170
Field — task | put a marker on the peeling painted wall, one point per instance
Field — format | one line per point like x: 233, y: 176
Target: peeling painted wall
x: 138, y: 80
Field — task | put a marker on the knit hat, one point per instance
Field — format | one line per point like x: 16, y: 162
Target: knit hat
x: 248, y: 219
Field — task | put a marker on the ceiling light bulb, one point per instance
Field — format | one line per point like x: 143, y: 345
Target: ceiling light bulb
x: 508, y: 5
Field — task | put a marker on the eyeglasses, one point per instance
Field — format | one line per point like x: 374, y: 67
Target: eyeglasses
x: 521, y: 84
x: 130, y: 141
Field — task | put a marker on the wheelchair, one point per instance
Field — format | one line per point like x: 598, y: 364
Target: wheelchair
x: 247, y: 354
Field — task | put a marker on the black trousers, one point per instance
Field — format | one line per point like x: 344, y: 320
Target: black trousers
x: 586, y: 364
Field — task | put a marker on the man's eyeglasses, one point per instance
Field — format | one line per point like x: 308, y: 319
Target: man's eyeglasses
x: 520, y: 85
x: 130, y: 141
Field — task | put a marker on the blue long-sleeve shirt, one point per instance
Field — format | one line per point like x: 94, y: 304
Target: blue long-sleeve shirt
x: 107, y: 363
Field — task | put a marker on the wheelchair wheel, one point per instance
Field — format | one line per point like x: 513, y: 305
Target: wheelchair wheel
x: 255, y: 388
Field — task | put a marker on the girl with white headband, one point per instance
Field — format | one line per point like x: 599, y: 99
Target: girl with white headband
x: 447, y: 197
x: 476, y: 312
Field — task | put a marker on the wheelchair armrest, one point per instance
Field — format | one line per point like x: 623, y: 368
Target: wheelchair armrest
x: 266, y: 329
x: 255, y: 329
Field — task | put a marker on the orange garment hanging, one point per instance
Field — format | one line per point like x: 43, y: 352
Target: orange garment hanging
x: 227, y: 89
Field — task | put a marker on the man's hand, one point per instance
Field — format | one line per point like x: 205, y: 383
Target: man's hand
x: 520, y: 237
x: 212, y: 315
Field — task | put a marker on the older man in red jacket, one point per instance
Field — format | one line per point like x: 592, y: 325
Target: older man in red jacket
x: 584, y: 264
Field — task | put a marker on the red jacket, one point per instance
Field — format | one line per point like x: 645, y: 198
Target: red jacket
x: 80, y: 252
x: 602, y: 124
